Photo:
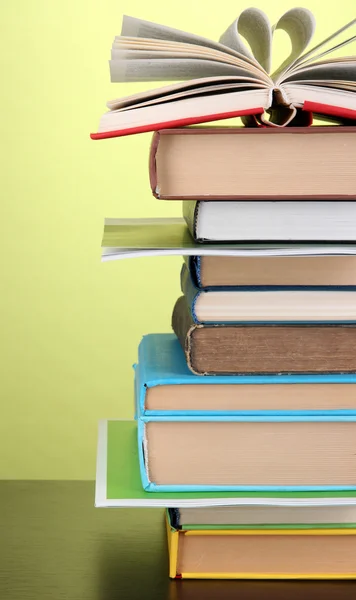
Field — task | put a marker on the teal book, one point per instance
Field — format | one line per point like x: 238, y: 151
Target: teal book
x: 240, y: 433
x: 118, y: 481
x: 165, y: 387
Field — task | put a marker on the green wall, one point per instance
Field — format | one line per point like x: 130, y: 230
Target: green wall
x: 71, y: 325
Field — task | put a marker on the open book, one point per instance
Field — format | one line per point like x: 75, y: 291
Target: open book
x: 219, y: 80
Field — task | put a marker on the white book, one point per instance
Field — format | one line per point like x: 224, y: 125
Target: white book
x: 291, y: 221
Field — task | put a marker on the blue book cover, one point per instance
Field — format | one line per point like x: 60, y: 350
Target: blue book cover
x: 161, y: 362
x: 146, y: 455
x: 279, y: 295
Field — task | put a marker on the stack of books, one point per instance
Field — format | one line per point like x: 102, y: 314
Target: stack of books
x: 246, y: 413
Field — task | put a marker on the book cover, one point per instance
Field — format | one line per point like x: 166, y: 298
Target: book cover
x: 284, y: 553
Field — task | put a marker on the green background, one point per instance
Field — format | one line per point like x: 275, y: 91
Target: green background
x: 70, y: 325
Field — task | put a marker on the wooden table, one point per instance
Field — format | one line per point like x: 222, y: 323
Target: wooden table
x: 54, y: 545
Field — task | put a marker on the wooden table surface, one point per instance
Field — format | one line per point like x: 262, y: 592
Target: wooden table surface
x: 54, y: 545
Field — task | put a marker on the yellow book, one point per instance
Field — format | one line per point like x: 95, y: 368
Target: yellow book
x: 261, y: 553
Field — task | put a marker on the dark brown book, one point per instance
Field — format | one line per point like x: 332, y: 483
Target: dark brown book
x: 232, y: 163
x: 227, y: 349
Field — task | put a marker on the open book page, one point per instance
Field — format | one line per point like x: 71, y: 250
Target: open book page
x: 252, y: 26
x: 185, y: 88
x: 348, y: 42
x: 337, y: 69
x: 299, y: 25
x: 197, y: 92
x: 170, y: 70
x: 311, y: 55
x: 129, y: 48
x: 147, y: 51
x: 139, y: 28
x: 255, y: 27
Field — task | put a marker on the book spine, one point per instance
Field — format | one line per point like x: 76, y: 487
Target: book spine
x: 142, y: 455
x: 195, y: 267
x: 272, y: 576
x: 190, y: 488
x: 217, y: 415
x: 141, y: 380
x: 152, y: 164
x: 190, y: 215
x: 173, y: 543
x: 292, y: 417
x: 190, y: 292
x: 137, y: 411
x: 339, y: 113
x: 183, y: 326
x: 173, y: 515
x: 266, y: 527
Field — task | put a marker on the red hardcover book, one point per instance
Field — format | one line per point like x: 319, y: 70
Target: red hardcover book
x: 254, y: 163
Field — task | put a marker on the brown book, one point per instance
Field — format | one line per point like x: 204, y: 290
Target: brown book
x: 226, y: 349
x: 254, y: 163
x: 229, y: 271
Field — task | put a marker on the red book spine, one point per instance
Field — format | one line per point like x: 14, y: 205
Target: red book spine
x: 328, y: 109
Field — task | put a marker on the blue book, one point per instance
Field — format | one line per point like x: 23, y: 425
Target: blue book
x: 268, y: 305
x: 197, y: 433
x: 165, y: 387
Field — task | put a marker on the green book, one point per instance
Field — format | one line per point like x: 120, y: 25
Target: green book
x: 118, y: 481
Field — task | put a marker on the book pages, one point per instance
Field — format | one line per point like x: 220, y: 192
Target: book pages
x: 299, y: 25
x: 139, y: 28
x: 255, y: 27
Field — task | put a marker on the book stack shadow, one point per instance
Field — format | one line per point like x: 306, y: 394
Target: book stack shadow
x: 254, y: 392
